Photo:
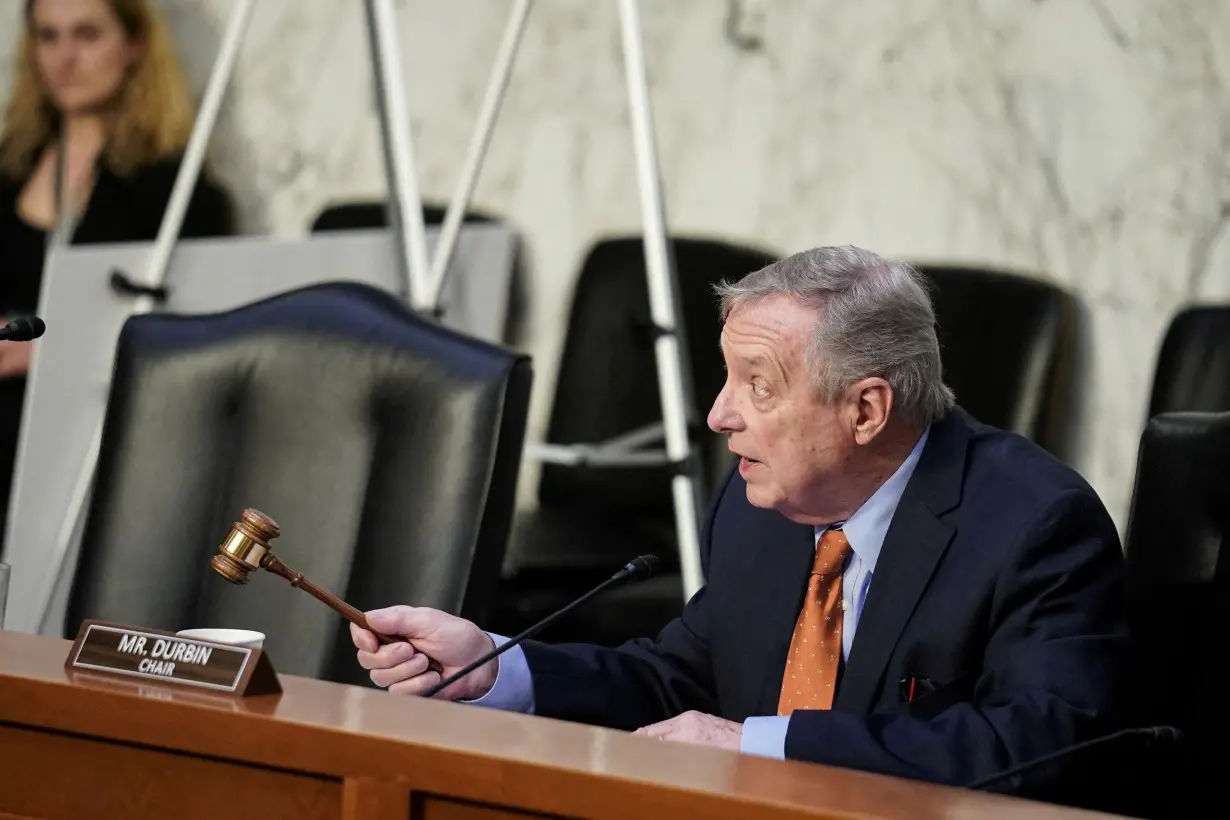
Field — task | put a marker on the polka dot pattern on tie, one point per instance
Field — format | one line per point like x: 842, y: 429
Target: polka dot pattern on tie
x: 820, y: 620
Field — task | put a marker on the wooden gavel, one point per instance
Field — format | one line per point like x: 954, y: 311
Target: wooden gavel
x: 246, y: 547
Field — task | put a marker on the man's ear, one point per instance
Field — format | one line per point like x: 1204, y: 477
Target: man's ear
x: 873, y: 404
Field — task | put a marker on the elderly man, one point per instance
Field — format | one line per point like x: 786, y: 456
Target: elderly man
x: 891, y: 586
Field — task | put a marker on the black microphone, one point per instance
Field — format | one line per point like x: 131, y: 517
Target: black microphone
x: 638, y: 569
x: 23, y: 329
x: 1150, y: 734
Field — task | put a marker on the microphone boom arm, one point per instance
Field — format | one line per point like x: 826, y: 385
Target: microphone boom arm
x: 1152, y: 734
x: 638, y: 569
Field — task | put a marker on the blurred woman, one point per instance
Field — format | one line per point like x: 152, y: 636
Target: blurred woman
x: 95, y: 129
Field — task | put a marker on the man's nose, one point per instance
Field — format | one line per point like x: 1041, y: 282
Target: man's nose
x: 722, y: 416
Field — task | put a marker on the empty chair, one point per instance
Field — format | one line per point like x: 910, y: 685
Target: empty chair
x: 1193, y: 366
x: 1007, y: 343
x: 384, y: 445
x: 1178, y: 588
x: 590, y: 520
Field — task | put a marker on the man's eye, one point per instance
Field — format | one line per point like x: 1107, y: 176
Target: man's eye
x: 759, y: 389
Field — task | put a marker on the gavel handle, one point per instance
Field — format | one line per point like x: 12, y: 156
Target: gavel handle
x: 297, y: 579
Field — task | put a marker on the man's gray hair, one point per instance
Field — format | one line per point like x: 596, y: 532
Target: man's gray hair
x: 876, y: 319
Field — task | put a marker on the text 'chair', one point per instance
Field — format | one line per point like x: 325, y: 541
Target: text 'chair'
x: 384, y: 445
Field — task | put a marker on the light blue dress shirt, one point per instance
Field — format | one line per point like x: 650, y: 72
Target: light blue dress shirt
x: 865, y: 530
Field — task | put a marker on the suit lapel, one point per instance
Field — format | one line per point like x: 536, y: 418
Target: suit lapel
x: 913, y: 546
x: 780, y: 584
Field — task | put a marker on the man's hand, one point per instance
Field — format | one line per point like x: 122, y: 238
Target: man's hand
x: 401, y: 667
x: 699, y: 728
x: 15, y: 358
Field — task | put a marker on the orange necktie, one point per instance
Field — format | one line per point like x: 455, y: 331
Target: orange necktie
x: 815, y: 649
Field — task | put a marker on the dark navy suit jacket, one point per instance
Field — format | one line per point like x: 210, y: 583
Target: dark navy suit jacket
x: 998, y: 586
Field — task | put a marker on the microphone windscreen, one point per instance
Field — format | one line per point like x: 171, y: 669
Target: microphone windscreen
x: 1167, y: 734
x: 25, y: 328
x: 644, y: 566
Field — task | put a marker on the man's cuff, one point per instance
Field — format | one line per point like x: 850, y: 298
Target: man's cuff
x: 764, y: 736
x: 513, y: 690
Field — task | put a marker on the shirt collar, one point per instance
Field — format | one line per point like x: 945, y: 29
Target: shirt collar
x: 865, y: 530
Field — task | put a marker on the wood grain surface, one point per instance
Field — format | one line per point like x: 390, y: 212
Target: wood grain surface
x: 74, y: 747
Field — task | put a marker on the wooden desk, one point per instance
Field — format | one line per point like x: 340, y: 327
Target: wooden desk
x: 72, y: 747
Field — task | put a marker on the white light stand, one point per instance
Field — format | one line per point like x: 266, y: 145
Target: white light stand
x: 424, y: 276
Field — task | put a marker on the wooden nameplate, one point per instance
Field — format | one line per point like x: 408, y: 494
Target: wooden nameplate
x: 164, y: 657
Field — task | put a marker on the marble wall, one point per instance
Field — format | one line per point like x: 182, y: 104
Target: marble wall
x: 1084, y: 141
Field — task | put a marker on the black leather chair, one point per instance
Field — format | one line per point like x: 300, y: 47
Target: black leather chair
x: 1178, y: 587
x: 1007, y: 343
x: 1193, y: 366
x: 591, y: 520
x: 385, y: 446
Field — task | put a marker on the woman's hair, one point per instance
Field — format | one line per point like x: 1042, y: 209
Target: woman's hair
x: 150, y: 119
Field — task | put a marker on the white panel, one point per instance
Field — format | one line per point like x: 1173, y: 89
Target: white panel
x: 67, y: 391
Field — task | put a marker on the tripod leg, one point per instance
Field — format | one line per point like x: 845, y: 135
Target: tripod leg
x: 674, y: 378
x: 194, y: 154
x: 479, y: 140
x: 405, y: 202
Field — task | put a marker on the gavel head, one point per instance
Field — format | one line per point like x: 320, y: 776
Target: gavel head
x: 244, y: 547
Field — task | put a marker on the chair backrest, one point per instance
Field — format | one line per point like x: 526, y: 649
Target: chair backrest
x: 608, y: 377
x: 1007, y: 344
x: 1178, y: 570
x: 1178, y: 591
x: 385, y: 446
x: 1193, y: 366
